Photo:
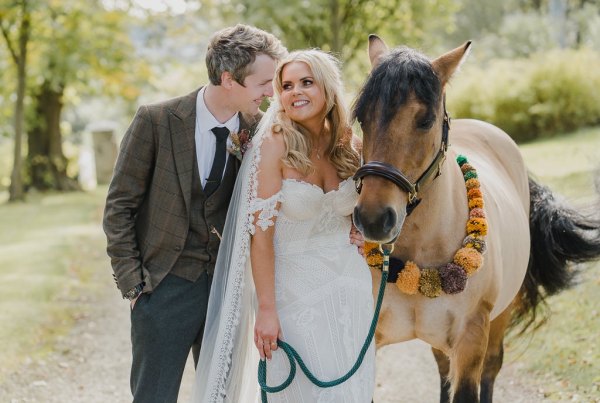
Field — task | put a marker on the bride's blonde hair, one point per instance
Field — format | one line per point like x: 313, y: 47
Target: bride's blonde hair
x: 298, y: 143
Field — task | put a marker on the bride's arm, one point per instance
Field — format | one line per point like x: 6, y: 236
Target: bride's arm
x: 262, y: 255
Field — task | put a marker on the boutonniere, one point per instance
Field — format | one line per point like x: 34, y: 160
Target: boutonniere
x: 240, y: 142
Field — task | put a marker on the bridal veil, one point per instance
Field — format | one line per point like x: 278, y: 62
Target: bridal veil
x: 227, y: 367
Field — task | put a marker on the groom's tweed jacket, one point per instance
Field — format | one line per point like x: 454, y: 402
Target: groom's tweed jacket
x: 157, y: 219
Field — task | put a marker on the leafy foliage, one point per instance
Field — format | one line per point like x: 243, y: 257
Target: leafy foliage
x: 342, y: 26
x: 531, y: 98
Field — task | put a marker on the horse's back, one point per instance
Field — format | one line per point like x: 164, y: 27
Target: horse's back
x: 485, y: 141
x: 505, y: 186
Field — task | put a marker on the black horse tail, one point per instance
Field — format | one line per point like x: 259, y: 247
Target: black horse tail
x: 560, y: 236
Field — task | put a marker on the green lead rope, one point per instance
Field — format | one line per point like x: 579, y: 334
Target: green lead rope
x: 294, y: 357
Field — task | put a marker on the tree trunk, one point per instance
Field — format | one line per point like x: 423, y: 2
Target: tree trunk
x: 46, y: 162
x: 15, y: 190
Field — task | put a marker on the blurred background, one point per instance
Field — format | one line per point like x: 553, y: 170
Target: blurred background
x: 69, y: 66
x: 73, y: 72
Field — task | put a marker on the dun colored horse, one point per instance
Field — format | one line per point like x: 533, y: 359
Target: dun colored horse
x: 519, y: 238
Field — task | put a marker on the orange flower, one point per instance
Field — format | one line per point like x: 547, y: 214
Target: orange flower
x: 474, y: 193
x: 373, y: 255
x: 469, y: 259
x: 472, y: 183
x: 408, y: 279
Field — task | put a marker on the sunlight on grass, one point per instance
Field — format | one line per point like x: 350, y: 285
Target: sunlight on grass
x: 565, y: 163
x: 51, y: 252
x: 564, y: 352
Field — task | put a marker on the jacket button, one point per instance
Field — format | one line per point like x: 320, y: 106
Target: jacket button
x: 177, y: 248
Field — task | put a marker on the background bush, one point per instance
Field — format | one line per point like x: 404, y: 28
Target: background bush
x: 531, y: 98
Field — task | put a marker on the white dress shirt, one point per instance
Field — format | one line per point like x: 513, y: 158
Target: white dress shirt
x: 206, y: 142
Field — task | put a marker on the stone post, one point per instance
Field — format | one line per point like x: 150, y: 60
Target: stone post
x: 105, y: 149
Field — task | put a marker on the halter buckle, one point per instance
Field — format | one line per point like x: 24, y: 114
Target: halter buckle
x: 412, y: 196
x: 358, y: 185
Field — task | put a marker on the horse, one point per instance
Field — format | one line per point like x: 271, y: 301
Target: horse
x: 480, y: 243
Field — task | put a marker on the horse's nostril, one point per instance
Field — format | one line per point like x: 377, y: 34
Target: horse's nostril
x: 389, y: 220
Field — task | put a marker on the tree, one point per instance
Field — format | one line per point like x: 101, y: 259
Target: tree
x: 82, y: 47
x: 16, y: 21
x: 342, y: 26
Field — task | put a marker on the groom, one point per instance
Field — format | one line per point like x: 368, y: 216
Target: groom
x: 167, y: 203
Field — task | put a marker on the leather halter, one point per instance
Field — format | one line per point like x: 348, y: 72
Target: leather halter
x: 393, y: 174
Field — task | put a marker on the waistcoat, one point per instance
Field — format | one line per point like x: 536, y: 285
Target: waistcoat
x: 206, y: 216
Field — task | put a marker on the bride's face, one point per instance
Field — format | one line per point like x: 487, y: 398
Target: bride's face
x: 302, y: 98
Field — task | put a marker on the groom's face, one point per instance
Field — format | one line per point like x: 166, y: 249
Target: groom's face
x: 258, y: 84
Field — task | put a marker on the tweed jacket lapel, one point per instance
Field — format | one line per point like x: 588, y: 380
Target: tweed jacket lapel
x: 182, y: 124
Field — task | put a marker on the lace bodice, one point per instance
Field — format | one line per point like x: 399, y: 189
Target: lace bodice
x: 308, y: 214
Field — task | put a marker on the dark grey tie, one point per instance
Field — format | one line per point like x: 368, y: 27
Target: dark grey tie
x: 216, y: 172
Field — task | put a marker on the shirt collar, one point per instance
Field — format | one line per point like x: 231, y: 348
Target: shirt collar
x: 206, y: 120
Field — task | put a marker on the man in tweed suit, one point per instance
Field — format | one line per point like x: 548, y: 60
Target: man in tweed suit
x: 167, y: 203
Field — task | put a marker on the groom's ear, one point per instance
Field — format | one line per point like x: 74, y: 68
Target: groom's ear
x: 227, y: 80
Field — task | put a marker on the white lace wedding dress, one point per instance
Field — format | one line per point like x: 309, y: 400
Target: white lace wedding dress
x: 323, y: 295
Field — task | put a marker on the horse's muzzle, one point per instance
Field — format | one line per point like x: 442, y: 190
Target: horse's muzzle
x: 381, y: 226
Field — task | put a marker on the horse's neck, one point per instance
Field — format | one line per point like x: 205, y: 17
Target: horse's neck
x: 435, y: 229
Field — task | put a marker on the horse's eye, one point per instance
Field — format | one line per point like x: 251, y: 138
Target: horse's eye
x: 425, y: 124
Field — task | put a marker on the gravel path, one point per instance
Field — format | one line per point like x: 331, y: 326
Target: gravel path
x: 91, y: 365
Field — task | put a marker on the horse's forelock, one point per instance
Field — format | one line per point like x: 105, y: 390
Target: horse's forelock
x: 390, y: 84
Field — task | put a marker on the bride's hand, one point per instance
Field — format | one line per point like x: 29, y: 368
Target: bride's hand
x: 266, y: 331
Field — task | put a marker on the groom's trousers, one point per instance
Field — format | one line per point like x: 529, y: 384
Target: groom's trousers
x: 165, y: 325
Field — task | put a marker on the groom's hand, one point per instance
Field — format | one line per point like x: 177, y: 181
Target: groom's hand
x: 356, y: 238
x: 133, y: 301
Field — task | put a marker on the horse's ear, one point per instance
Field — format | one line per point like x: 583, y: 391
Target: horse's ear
x: 377, y: 48
x: 447, y: 64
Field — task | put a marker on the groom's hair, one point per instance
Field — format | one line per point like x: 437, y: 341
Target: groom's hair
x: 234, y: 49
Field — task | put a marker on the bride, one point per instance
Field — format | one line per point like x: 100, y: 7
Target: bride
x: 286, y: 268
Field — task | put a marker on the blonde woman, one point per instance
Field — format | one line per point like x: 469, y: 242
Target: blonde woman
x: 289, y: 271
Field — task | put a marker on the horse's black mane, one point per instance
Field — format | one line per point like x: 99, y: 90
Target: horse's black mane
x: 390, y: 84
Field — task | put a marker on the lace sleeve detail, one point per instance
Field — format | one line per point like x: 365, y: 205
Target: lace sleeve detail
x: 268, y: 211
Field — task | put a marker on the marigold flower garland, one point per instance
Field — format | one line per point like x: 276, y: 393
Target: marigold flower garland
x: 450, y: 278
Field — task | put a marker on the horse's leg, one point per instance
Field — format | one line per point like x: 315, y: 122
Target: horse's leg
x: 443, y: 364
x: 468, y: 354
x: 494, y: 355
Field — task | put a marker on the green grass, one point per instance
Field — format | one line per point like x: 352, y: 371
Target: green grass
x: 565, y: 163
x: 51, y: 251
x: 564, y: 352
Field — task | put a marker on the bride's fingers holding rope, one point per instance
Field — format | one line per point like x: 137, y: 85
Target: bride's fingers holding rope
x: 274, y: 345
x: 267, y: 349
x: 266, y: 330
